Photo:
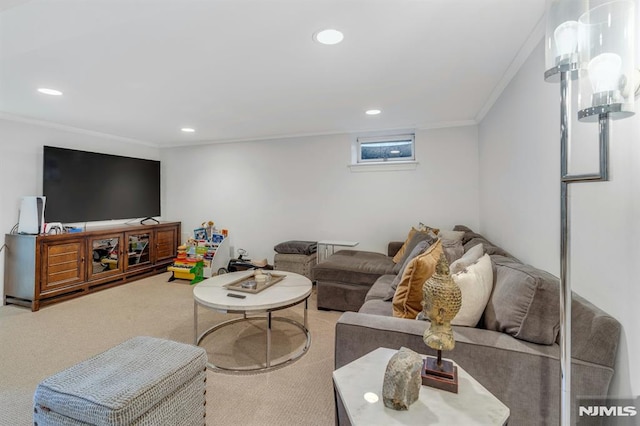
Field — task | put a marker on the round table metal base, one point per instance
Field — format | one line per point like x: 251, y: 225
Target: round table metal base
x: 268, y: 365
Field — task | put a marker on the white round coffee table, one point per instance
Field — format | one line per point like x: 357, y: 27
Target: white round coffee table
x: 212, y: 294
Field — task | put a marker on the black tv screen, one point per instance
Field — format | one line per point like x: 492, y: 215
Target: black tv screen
x: 82, y: 186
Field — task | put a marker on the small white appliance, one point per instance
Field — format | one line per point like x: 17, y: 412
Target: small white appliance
x: 31, y: 216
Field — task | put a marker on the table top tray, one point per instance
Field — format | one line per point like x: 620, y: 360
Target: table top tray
x: 237, y: 284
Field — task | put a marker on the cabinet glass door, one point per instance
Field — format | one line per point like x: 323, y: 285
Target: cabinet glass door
x: 105, y: 256
x: 139, y: 249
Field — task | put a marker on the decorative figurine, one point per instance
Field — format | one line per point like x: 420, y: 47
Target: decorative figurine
x: 208, y: 227
x: 441, y: 302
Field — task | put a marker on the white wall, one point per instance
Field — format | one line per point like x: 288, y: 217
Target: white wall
x: 21, y: 164
x: 266, y: 192
x: 519, y: 152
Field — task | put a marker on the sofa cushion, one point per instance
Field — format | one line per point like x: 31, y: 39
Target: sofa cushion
x: 468, y: 233
x: 488, y: 246
x: 296, y: 247
x: 380, y: 289
x: 476, y: 283
x: 354, y: 267
x: 469, y: 258
x: 408, y: 297
x: 414, y: 237
x: 524, y: 303
x: 377, y: 307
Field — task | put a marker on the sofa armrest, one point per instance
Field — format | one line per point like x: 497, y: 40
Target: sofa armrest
x: 394, y: 247
x: 595, y: 335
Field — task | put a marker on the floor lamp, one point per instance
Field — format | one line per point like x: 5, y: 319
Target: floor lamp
x: 593, y: 44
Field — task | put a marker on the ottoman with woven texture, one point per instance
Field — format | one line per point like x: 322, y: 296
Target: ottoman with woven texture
x: 143, y: 381
x: 298, y: 263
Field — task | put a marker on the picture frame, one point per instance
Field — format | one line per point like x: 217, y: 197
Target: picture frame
x: 200, y: 234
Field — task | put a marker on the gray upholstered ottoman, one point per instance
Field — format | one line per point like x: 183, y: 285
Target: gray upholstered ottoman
x: 298, y: 263
x: 143, y: 381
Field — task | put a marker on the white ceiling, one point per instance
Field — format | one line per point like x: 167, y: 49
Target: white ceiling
x: 249, y: 69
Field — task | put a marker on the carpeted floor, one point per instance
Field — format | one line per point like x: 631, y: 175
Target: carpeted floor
x: 34, y: 345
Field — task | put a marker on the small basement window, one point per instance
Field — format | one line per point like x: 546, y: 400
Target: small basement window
x: 389, y: 149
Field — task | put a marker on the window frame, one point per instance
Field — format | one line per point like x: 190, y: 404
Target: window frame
x: 361, y: 141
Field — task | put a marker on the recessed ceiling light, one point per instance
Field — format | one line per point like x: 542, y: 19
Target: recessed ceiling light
x: 328, y: 36
x: 188, y: 130
x: 372, y: 112
x: 52, y: 92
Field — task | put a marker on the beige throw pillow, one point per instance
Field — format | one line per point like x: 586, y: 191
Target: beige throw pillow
x: 476, y: 283
x: 408, y: 297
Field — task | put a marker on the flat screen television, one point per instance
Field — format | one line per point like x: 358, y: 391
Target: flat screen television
x: 82, y: 186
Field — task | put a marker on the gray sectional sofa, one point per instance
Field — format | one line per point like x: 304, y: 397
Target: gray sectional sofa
x: 513, y: 351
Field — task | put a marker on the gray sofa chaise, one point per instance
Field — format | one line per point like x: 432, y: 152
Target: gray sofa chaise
x: 513, y: 351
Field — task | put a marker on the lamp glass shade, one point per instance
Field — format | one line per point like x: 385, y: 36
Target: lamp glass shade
x: 561, y: 40
x: 606, y: 48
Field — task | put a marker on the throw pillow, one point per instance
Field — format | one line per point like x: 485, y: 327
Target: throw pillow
x: 400, y: 252
x: 404, y: 251
x: 453, y: 250
x: 471, y: 256
x: 451, y: 235
x: 417, y: 250
x: 417, y: 237
x: 476, y: 283
x: 424, y: 228
x: 524, y: 303
x: 407, y: 301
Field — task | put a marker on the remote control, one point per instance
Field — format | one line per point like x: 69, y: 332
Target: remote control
x: 239, y: 296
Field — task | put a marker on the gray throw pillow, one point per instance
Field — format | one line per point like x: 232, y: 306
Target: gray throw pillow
x: 451, y: 235
x: 427, y: 236
x: 524, y: 302
x: 420, y: 248
x: 453, y: 250
x: 489, y: 247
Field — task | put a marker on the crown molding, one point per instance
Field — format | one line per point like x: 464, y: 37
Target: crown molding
x: 71, y: 129
x: 536, y: 35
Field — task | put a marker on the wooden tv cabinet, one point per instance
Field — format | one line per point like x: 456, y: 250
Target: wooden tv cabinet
x: 44, y: 269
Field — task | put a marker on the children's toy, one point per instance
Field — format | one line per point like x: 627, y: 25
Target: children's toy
x: 204, y: 255
x: 185, y: 267
x: 209, y: 228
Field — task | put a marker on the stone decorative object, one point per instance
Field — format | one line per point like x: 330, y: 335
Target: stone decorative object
x: 441, y: 301
x: 401, y: 386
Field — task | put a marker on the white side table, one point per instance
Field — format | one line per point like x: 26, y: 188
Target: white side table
x: 330, y: 246
x: 359, y: 386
